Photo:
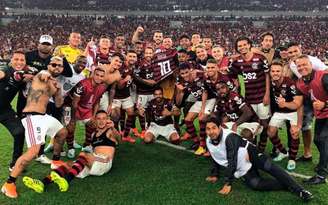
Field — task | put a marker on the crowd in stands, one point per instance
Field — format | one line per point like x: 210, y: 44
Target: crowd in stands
x: 24, y: 30
x: 156, y: 5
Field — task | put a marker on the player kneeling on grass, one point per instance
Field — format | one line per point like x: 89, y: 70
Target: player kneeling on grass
x: 241, y: 159
x: 104, y: 142
x: 285, y: 107
x: 239, y: 116
x: 161, y: 112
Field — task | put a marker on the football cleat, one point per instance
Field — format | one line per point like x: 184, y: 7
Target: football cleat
x: 87, y: 149
x: 200, y: 151
x: 33, y: 184
x: 60, y: 181
x: 43, y: 159
x: 9, y: 189
x: 280, y: 157
x: 291, y: 165
x: 71, y: 153
x: 76, y: 145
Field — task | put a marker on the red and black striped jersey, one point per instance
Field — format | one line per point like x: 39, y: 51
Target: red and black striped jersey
x: 124, y: 92
x: 287, y: 90
x: 211, y: 86
x: 231, y: 106
x: 156, y: 109
x: 164, y: 64
x: 144, y: 71
x: 253, y: 72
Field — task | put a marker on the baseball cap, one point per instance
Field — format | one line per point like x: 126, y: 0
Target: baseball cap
x: 283, y: 46
x: 184, y: 36
x: 46, y: 39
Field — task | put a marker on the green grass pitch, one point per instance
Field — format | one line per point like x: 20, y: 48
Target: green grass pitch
x: 151, y: 174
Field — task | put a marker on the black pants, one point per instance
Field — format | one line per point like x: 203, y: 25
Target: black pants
x: 21, y: 103
x: 321, y: 141
x: 12, y: 122
x: 281, y: 179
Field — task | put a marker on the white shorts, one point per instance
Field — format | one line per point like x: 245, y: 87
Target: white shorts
x: 262, y: 111
x: 98, y: 168
x: 103, y: 104
x: 143, y: 100
x: 209, y: 106
x: 254, y: 127
x: 38, y: 126
x: 278, y: 119
x: 165, y: 131
x: 122, y: 103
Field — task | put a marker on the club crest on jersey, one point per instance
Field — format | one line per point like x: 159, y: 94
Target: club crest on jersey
x: 67, y: 86
x: 283, y: 92
x: 238, y: 100
x: 255, y: 66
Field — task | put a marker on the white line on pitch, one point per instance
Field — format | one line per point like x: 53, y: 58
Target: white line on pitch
x: 178, y: 147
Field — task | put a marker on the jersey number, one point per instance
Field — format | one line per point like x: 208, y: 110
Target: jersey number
x: 165, y: 67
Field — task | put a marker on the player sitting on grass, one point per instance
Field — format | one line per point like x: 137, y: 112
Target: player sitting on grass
x: 161, y: 111
x: 104, y: 142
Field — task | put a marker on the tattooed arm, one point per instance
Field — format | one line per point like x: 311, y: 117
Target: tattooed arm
x: 56, y: 92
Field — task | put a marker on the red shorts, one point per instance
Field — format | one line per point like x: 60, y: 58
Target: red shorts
x: 83, y: 113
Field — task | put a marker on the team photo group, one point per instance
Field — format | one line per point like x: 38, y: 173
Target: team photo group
x: 227, y: 105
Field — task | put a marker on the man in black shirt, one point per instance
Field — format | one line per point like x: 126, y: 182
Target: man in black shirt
x: 39, y: 59
x: 11, y: 81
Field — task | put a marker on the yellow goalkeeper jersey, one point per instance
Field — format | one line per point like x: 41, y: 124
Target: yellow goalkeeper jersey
x: 69, y: 52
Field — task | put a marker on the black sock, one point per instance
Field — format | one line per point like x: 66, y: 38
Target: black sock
x: 47, y: 180
x: 56, y: 157
x: 69, y: 177
x: 11, y: 179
